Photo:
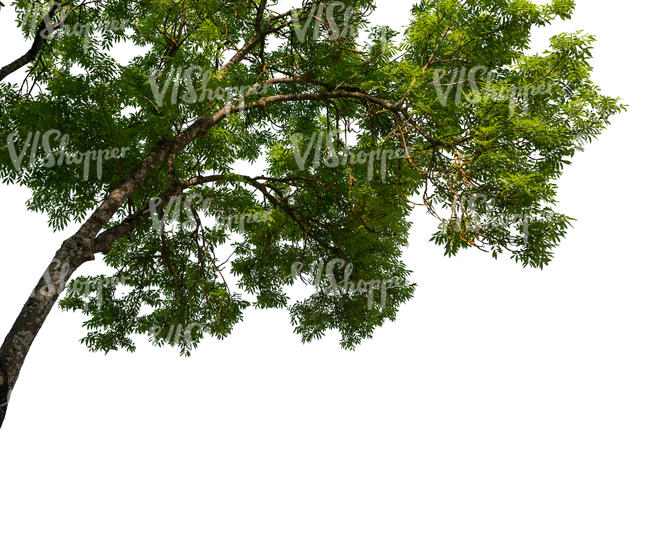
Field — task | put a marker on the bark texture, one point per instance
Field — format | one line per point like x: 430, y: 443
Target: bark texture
x: 90, y: 238
x: 68, y: 258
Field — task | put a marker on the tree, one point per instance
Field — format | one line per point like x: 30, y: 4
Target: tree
x: 357, y: 126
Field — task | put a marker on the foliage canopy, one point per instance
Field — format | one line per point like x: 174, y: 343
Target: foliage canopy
x: 487, y: 126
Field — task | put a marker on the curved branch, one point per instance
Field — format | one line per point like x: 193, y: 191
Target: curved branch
x: 37, y: 45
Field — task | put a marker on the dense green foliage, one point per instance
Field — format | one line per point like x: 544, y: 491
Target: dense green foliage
x: 484, y: 152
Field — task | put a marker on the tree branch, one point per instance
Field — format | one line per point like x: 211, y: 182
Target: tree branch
x: 37, y: 45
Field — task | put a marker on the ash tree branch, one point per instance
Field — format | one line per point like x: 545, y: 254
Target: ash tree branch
x: 38, y: 44
x: 91, y: 228
x: 106, y: 239
x: 281, y: 204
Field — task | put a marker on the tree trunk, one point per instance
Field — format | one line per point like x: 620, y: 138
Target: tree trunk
x: 67, y: 260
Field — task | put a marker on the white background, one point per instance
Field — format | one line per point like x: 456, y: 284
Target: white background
x: 504, y: 405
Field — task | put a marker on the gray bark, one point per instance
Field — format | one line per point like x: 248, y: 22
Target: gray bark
x: 81, y: 246
x: 16, y: 345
